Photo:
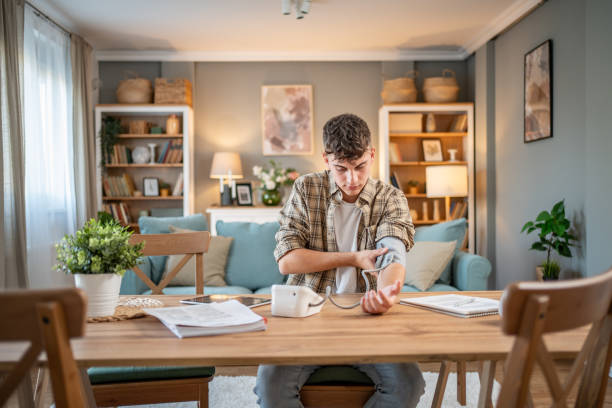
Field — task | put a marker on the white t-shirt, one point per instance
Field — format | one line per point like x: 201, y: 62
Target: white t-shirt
x: 346, y: 224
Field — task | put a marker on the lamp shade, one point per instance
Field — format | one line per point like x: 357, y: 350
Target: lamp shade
x: 446, y: 181
x: 223, y: 163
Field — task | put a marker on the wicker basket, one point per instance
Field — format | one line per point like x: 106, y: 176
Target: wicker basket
x: 135, y: 90
x: 399, y: 90
x: 173, y: 91
x: 441, y: 89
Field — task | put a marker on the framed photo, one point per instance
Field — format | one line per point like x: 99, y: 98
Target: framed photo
x: 150, y: 186
x: 538, y: 93
x: 287, y: 120
x: 244, y: 194
x: 432, y: 150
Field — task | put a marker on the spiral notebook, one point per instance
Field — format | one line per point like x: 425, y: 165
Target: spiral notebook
x: 455, y: 305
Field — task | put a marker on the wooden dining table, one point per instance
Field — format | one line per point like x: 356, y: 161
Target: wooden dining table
x: 333, y: 336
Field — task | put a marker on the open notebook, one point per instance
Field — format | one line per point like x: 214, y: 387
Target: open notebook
x: 455, y: 305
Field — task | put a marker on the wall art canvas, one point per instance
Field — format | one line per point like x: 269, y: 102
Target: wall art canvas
x: 287, y: 119
x: 538, y: 93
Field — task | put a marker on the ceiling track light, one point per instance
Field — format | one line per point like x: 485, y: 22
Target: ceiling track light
x: 302, y: 7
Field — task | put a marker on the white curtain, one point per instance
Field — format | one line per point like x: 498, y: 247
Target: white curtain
x: 49, y: 158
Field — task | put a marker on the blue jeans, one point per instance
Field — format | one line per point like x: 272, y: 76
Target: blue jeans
x: 397, y: 385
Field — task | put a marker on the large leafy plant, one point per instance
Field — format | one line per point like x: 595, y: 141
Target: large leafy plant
x: 101, y: 246
x: 109, y: 136
x: 553, y: 233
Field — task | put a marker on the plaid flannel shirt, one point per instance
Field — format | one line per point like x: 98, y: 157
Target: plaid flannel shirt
x: 307, y: 221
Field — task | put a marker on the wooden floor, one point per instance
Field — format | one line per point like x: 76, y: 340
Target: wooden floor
x: 539, y: 389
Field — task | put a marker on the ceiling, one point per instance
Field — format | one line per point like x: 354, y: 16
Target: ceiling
x: 256, y: 30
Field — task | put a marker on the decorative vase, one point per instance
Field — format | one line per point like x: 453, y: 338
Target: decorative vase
x: 271, y: 197
x: 413, y: 190
x: 540, y: 273
x: 102, y: 290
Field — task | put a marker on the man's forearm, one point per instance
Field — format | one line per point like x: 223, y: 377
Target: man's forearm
x: 390, y: 274
x: 307, y: 261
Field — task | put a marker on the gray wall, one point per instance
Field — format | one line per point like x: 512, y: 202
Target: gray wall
x: 574, y: 163
x: 598, y: 135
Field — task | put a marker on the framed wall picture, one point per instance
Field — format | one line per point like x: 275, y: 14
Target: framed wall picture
x: 287, y: 120
x: 150, y: 186
x: 432, y: 150
x: 538, y: 93
x: 244, y: 194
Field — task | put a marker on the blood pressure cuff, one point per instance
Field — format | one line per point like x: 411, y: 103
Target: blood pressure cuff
x: 396, y: 252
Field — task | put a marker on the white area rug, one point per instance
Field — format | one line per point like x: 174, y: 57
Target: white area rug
x: 237, y: 392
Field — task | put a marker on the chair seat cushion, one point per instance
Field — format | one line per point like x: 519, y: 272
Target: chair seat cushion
x: 339, y: 375
x: 208, y: 290
x: 106, y: 375
x: 437, y: 287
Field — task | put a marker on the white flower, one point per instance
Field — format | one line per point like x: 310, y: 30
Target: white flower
x: 256, y: 171
x: 270, y: 185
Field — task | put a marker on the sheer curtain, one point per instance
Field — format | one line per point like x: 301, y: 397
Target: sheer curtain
x: 49, y: 156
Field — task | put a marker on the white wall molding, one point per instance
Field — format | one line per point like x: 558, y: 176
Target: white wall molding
x: 250, y: 56
x: 512, y: 14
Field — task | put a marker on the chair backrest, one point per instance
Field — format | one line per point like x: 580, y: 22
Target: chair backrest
x: 532, y: 309
x: 48, y: 319
x: 189, y: 243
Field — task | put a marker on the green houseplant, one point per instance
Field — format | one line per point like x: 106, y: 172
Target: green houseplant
x: 109, y: 136
x: 98, y: 255
x: 413, y: 186
x: 553, y: 233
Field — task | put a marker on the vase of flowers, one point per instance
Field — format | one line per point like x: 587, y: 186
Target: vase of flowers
x: 272, y: 179
x: 98, y: 255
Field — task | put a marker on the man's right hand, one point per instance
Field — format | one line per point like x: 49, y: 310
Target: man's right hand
x: 367, y: 259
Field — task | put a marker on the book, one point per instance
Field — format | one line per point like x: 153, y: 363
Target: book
x: 455, y: 305
x: 393, y: 181
x: 248, y: 301
x: 209, y: 319
x: 459, y: 124
x: 395, y: 156
x: 178, y: 186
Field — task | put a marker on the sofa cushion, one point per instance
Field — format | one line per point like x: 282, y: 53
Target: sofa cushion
x: 445, y: 231
x: 160, y: 225
x: 214, y: 262
x: 251, y: 260
x: 437, y: 287
x: 208, y: 290
x: 426, y: 261
x: 106, y: 375
x: 339, y: 375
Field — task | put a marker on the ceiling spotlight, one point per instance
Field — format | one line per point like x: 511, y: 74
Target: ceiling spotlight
x: 301, y: 7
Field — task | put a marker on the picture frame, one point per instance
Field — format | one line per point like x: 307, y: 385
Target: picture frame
x: 537, y: 93
x: 432, y: 150
x: 150, y: 186
x: 287, y: 120
x: 244, y: 194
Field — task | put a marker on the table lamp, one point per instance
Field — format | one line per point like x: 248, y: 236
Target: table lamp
x: 446, y: 181
x: 226, y: 164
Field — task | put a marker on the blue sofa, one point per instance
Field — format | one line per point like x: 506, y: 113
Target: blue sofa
x: 251, y: 267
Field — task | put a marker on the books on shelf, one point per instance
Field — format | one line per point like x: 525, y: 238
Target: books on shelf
x: 455, y: 305
x: 459, y: 124
x: 121, y: 154
x: 458, y: 209
x: 171, y: 152
x: 118, y: 186
x: 178, y: 186
x: 209, y: 319
x: 119, y: 211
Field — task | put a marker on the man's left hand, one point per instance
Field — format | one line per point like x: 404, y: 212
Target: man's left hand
x: 381, y: 301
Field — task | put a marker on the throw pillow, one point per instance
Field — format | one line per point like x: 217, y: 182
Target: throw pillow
x: 444, y: 232
x: 426, y: 261
x: 251, y: 262
x: 214, y: 262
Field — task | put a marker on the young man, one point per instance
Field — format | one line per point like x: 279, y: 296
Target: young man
x: 335, y: 224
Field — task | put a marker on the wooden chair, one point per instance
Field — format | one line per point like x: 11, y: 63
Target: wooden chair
x: 531, y: 310
x: 147, y: 385
x: 48, y: 319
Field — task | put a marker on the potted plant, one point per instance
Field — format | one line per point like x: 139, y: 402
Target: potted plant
x: 98, y: 255
x: 164, y: 189
x: 553, y: 232
x: 413, y: 186
x: 109, y: 136
x: 272, y: 180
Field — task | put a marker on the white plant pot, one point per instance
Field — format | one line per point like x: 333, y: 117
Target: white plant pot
x: 102, y: 292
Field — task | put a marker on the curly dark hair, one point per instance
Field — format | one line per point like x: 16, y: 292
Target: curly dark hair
x: 346, y: 136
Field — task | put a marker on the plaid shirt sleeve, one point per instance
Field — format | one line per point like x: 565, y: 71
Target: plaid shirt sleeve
x: 294, y: 229
x: 396, y: 220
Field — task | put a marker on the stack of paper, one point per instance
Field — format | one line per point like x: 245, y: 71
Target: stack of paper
x: 455, y: 305
x: 209, y: 319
